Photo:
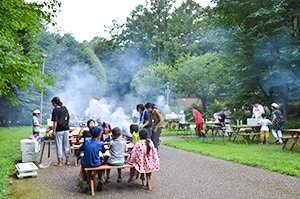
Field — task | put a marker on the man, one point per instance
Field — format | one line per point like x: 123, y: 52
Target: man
x: 199, y: 121
x: 258, y: 110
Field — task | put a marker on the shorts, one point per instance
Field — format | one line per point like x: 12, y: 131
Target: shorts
x: 199, y: 126
x: 264, y: 134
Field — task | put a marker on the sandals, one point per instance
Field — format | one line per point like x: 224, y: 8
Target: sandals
x: 131, y: 179
x: 57, y: 165
x: 67, y: 163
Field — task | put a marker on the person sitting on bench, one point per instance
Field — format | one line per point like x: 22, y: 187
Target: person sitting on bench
x: 143, y: 157
x: 117, y: 148
x: 91, y: 157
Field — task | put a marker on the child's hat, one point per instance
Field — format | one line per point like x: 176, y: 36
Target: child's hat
x: 95, y: 131
x: 106, y: 123
x: 36, y: 111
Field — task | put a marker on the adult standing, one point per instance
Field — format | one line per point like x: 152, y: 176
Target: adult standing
x: 60, y: 118
x: 36, y: 121
x: 157, y: 125
x: 199, y: 121
x: 145, y: 117
x: 257, y: 111
x: 276, y: 123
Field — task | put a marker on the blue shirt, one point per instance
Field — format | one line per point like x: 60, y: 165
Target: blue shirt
x: 106, y: 140
x: 145, y: 116
x: 91, y: 156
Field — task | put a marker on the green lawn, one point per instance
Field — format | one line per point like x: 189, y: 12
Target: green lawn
x: 270, y: 157
x: 165, y: 132
x: 10, y: 152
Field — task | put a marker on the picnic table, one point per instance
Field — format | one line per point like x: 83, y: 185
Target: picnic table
x: 215, y: 127
x: 185, y: 126
x: 295, y: 133
x: 246, y: 136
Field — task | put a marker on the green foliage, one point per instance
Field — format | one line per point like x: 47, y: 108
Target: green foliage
x: 266, y: 157
x: 10, y: 147
x: 19, y: 22
x: 292, y: 124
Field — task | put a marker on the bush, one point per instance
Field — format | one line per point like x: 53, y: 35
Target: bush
x: 292, y: 124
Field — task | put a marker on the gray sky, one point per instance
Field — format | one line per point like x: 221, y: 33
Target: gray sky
x: 86, y: 20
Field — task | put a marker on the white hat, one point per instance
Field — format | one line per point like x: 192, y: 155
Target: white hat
x: 36, y: 111
x: 181, y: 112
x: 275, y: 105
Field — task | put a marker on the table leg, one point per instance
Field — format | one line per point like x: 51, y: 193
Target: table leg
x: 48, y: 149
x: 213, y: 135
x: 236, y: 132
x: 295, y: 138
x: 41, y: 158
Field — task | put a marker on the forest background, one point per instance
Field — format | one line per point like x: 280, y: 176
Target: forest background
x: 227, y: 56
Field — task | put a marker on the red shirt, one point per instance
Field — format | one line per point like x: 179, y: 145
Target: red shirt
x: 198, y: 115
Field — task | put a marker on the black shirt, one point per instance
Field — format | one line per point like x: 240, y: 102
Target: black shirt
x: 56, y: 114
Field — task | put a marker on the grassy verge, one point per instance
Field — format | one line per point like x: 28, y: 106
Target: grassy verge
x: 10, y: 152
x: 165, y: 132
x: 270, y: 157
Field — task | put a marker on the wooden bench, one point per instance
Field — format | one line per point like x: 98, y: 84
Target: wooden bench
x: 246, y: 136
x: 285, y: 141
x: 92, y: 173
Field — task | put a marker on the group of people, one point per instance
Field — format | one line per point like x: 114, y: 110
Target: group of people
x: 93, y: 153
x: 276, y: 123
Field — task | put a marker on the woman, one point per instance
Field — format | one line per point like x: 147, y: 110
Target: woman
x: 60, y: 118
x: 157, y: 125
x: 276, y: 121
x: 144, y: 117
x: 36, y: 121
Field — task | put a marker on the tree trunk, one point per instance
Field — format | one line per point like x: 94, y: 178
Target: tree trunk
x: 203, y: 101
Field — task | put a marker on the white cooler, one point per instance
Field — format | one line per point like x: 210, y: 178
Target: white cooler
x: 28, y: 156
x: 29, y: 145
x: 26, y: 170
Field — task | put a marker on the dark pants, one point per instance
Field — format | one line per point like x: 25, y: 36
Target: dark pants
x: 155, y: 137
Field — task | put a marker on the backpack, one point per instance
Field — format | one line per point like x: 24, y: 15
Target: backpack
x: 63, y: 121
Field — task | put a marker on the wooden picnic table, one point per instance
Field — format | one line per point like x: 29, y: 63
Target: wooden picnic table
x: 237, y: 130
x: 295, y: 133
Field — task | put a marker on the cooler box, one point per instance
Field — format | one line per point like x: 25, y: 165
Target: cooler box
x: 26, y: 170
x: 29, y: 145
x: 252, y: 121
x: 28, y: 156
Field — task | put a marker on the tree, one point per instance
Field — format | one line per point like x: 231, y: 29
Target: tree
x: 196, y: 76
x: 19, y: 22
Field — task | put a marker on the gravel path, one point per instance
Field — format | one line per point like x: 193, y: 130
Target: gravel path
x: 182, y: 175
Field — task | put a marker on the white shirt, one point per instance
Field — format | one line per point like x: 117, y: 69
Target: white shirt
x: 258, y: 111
x: 264, y: 124
x: 181, y: 118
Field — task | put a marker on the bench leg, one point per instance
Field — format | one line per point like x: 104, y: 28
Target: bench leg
x: 148, y: 175
x: 245, y: 139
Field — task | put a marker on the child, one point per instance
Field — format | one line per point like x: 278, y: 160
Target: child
x: 264, y: 131
x: 105, y: 135
x: 117, y: 148
x: 143, y: 157
x: 91, y: 157
x: 134, y: 131
x: 36, y: 121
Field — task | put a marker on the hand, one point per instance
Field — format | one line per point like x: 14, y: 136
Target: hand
x: 53, y: 134
x: 83, y: 123
x: 155, y: 130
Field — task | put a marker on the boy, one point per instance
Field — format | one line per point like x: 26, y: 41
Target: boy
x: 264, y: 131
x: 91, y: 157
x: 117, y: 148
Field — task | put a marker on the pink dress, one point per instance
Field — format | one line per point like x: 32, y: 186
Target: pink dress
x: 142, y: 162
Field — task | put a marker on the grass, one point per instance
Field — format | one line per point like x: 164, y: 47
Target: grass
x: 10, y: 152
x: 165, y: 132
x: 270, y: 157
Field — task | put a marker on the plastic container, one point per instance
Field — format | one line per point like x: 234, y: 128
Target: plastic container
x: 42, y: 132
x: 29, y: 156
x: 30, y: 145
x: 26, y: 170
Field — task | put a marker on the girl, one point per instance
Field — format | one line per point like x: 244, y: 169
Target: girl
x: 105, y: 135
x: 143, y: 157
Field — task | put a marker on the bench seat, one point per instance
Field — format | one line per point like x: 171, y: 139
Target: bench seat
x: 246, y: 136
